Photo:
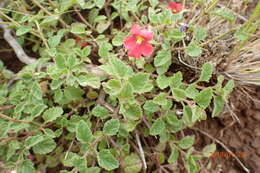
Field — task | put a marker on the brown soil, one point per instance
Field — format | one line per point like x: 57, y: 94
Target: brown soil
x: 241, y: 138
x: 8, y: 57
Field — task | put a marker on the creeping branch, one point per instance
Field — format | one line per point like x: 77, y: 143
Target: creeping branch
x: 21, y: 55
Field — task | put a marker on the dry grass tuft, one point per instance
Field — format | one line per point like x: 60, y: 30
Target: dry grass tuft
x: 245, y: 68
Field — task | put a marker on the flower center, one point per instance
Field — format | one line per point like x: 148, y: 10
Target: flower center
x: 174, y: 11
x: 139, y: 39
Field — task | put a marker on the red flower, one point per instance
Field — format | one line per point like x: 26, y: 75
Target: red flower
x: 81, y: 43
x: 175, y: 7
x: 137, y: 43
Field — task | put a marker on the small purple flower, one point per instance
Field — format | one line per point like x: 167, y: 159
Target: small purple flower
x: 184, y: 27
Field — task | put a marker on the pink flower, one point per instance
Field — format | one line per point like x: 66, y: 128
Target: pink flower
x: 175, y: 7
x: 137, y: 43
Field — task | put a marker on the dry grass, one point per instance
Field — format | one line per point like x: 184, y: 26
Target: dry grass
x: 245, y: 68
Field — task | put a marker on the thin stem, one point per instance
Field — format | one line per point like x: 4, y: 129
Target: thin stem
x: 41, y: 34
x: 6, y: 50
x: 141, y: 150
x: 47, y: 12
x: 83, y: 19
x: 3, y: 116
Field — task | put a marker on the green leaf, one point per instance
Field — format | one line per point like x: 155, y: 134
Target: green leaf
x: 99, y: 3
x: 49, y: 20
x: 157, y: 127
x: 113, y: 86
x: 106, y: 160
x: 208, y: 150
x: 56, y: 83
x: 160, y: 99
x: 36, y: 91
x: 176, y: 80
x: 89, y: 80
x: 166, y: 17
x: 69, y: 159
x: 33, y: 140
x: 175, y: 35
x: 150, y: 106
x: 66, y: 4
x: 72, y: 61
x: 86, y: 51
x: 224, y: 13
x: 49, y: 133
x: 220, y: 81
x: 93, y: 170
x: 130, y: 125
x: 164, y: 68
x: 242, y: 34
x: 100, y: 112
x: 126, y: 93
x: 93, y: 15
x: 78, y: 28
x: 23, y: 30
x: 111, y: 127
x: 198, y: 113
x: 82, y: 3
x: 193, y: 49
x: 203, y: 99
x: 100, y: 18
x: 174, y: 155
x: 132, y: 163
x: 191, y: 165
x: 219, y: 103
x: 120, y: 69
x: 162, y: 81
x: 2, y: 100
x: 153, y: 17
x: 26, y: 167
x: 162, y: 57
x: 52, y: 114
x: 191, y: 91
x: 54, y: 41
x: 73, y: 93
x: 153, y: 3
x: 200, y: 33
x: 228, y: 88
x: 172, y: 119
x: 187, y: 115
x: 186, y: 142
x: 178, y: 94
x: 37, y: 110
x: 83, y: 132
x: 44, y: 147
x: 132, y: 111
x: 118, y: 39
x: 102, y: 26
x: 104, y: 49
x: 60, y: 61
x: 139, y: 82
x: 206, y: 72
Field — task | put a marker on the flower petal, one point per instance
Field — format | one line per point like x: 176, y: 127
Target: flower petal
x: 130, y: 42
x: 146, y: 48
x: 135, y: 51
x: 136, y: 29
x: 146, y: 34
x: 177, y: 7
